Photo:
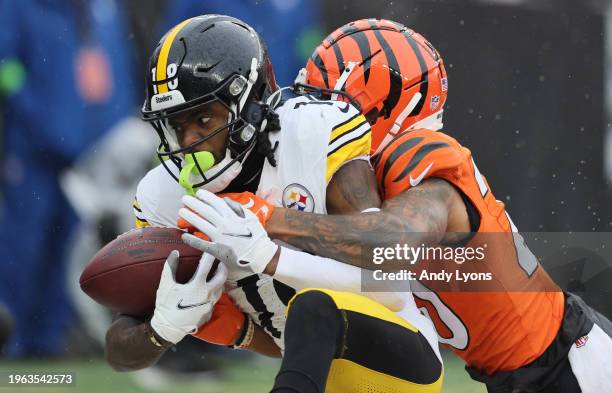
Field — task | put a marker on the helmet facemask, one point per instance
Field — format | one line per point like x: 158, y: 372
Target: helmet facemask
x: 188, y: 70
x: 199, y: 168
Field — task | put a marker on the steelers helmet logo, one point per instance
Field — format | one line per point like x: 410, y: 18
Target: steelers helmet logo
x: 297, y: 197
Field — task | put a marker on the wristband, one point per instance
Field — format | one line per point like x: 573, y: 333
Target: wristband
x: 158, y: 342
x: 246, y: 337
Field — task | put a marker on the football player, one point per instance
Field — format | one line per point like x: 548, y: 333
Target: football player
x: 223, y: 126
x: 526, y: 335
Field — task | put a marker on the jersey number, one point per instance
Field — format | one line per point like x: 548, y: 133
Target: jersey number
x: 458, y: 337
x: 456, y: 334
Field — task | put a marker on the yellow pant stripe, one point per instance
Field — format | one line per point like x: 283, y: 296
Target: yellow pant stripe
x: 360, y: 304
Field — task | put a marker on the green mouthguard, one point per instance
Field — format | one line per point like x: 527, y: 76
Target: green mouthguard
x: 206, y: 161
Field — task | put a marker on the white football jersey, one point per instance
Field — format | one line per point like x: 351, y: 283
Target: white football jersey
x: 316, y: 139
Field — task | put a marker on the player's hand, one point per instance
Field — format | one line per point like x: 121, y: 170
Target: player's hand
x: 180, y: 309
x: 225, y: 325
x: 238, y: 238
x: 259, y: 206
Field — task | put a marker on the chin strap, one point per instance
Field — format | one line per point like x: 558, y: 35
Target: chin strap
x: 253, y: 74
x: 399, y: 120
x: 350, y: 67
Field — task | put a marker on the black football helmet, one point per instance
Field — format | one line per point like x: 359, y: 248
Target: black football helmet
x: 209, y: 58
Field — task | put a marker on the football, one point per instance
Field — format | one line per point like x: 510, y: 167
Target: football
x: 124, y: 274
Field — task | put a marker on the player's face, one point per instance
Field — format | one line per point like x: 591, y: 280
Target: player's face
x: 199, y: 123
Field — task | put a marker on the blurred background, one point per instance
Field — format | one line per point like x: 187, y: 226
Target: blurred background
x: 530, y: 94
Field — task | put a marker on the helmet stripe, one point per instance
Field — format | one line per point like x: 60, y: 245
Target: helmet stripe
x: 316, y: 59
x: 366, y: 52
x: 162, y: 59
x: 339, y: 58
x: 424, y: 73
x: 395, y: 80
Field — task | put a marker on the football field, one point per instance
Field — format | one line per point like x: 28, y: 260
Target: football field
x: 254, y: 375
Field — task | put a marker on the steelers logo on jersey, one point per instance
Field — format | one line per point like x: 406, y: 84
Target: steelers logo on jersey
x: 297, y: 197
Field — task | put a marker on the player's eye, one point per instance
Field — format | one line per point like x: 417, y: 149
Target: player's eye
x: 204, y: 120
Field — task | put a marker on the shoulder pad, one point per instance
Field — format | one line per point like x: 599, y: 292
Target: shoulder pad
x: 417, y: 155
x: 334, y: 129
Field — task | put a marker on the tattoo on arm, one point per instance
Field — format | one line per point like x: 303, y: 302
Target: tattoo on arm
x: 417, y: 216
x: 352, y: 189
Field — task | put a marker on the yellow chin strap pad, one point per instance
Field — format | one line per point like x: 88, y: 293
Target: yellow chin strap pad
x: 206, y: 161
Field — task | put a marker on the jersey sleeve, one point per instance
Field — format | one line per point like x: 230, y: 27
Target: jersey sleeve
x: 139, y: 219
x: 350, y: 138
x: 415, y: 156
x: 157, y: 200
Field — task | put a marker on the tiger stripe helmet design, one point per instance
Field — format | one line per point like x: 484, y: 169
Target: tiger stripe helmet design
x: 395, y: 75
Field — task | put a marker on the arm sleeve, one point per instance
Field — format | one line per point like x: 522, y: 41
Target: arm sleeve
x: 302, y: 270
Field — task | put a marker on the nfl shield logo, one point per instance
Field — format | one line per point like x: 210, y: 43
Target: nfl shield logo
x: 435, y: 101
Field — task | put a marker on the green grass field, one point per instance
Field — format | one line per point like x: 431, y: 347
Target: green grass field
x: 253, y: 375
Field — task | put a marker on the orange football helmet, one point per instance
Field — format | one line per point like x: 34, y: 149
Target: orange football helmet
x: 395, y: 75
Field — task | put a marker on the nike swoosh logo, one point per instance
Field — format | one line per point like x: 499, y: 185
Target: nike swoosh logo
x: 247, y: 235
x: 181, y: 306
x: 345, y: 109
x: 249, y: 204
x: 415, y: 182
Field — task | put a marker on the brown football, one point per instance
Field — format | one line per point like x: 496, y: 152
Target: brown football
x: 124, y: 274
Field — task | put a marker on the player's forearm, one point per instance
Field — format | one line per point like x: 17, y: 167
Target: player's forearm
x: 413, y: 218
x: 129, y: 347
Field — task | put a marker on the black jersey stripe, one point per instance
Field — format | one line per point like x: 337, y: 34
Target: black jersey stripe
x: 346, y: 121
x: 419, y: 156
x: 397, y: 153
x: 347, y: 132
x: 366, y: 132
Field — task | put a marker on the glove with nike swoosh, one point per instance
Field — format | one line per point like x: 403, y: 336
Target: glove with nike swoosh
x: 238, y: 238
x: 180, y: 309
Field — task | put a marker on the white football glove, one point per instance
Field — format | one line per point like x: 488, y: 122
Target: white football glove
x: 180, y: 309
x: 239, y: 239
